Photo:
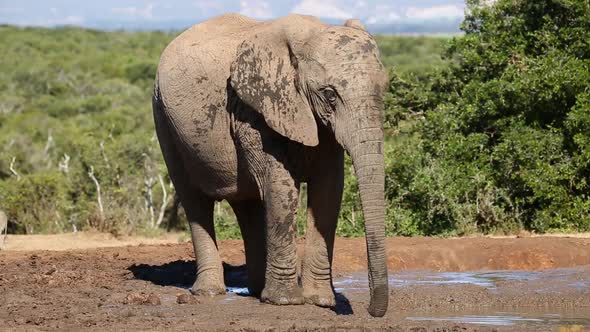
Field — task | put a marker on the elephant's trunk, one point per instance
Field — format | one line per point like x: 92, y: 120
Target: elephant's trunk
x: 365, y: 147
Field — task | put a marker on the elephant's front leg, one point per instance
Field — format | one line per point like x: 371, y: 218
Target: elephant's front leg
x: 324, y: 195
x: 281, y: 193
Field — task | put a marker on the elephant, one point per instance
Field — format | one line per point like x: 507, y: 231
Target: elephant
x: 246, y: 111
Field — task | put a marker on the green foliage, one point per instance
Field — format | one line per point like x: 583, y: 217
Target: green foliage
x: 226, y: 224
x: 72, y: 101
x: 485, y: 132
x: 351, y: 221
x: 38, y: 201
x: 506, y: 147
x: 415, y: 56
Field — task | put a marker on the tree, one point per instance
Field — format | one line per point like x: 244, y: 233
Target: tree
x: 507, y: 145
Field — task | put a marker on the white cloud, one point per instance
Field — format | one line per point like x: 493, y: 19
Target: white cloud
x: 255, y: 9
x: 383, y: 18
x: 321, y: 8
x: 146, y: 12
x: 383, y: 14
x: 443, y: 11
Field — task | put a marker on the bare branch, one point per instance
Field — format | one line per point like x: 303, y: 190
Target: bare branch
x: 98, y: 194
x: 149, y: 199
x: 104, y: 155
x: 64, y: 164
x: 48, y: 144
x: 165, y: 200
x: 110, y: 136
x: 13, y: 170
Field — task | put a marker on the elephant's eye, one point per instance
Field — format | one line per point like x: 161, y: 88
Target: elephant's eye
x: 330, y: 96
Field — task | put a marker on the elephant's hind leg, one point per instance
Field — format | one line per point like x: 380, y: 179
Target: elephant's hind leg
x: 250, y: 216
x: 199, y: 210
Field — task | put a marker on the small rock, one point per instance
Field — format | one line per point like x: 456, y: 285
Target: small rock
x: 187, y: 299
x: 153, y: 299
x: 142, y: 298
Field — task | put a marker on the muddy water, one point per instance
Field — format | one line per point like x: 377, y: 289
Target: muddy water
x: 553, y: 279
x: 539, y: 282
x: 500, y: 318
x: 502, y: 284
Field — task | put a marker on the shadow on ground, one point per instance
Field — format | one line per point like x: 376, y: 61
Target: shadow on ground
x: 182, y: 273
x: 343, y: 306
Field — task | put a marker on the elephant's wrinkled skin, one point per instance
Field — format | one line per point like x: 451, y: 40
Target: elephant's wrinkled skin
x: 246, y: 111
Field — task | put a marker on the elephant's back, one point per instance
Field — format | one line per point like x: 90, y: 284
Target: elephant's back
x: 198, y: 61
x: 212, y: 44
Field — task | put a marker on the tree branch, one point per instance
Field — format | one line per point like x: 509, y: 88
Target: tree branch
x: 64, y: 164
x: 165, y: 201
x: 149, y: 199
x: 98, y: 194
x: 104, y: 155
x: 12, y: 170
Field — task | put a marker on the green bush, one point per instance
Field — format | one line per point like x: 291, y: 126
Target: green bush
x: 507, y: 146
x: 73, y: 100
x: 36, y: 203
x: 485, y: 132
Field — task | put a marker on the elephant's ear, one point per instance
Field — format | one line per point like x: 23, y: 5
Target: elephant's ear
x: 264, y: 75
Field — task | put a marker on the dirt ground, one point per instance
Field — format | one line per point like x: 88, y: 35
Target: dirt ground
x: 85, y: 240
x: 145, y: 287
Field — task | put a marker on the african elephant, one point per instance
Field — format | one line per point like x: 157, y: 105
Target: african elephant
x: 246, y: 111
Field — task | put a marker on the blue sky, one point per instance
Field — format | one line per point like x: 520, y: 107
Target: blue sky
x: 87, y: 13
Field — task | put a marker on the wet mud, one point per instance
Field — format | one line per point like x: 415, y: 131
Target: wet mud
x: 479, y: 284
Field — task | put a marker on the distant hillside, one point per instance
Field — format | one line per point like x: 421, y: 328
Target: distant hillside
x: 438, y: 26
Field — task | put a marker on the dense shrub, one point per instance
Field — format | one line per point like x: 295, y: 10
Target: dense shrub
x: 507, y: 147
x: 493, y: 136
x: 39, y: 202
x: 75, y: 102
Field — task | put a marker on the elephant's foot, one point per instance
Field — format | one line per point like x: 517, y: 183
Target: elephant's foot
x: 282, y: 294
x: 321, y: 295
x: 208, y: 284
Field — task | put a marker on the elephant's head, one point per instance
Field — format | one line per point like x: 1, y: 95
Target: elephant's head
x: 301, y: 74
